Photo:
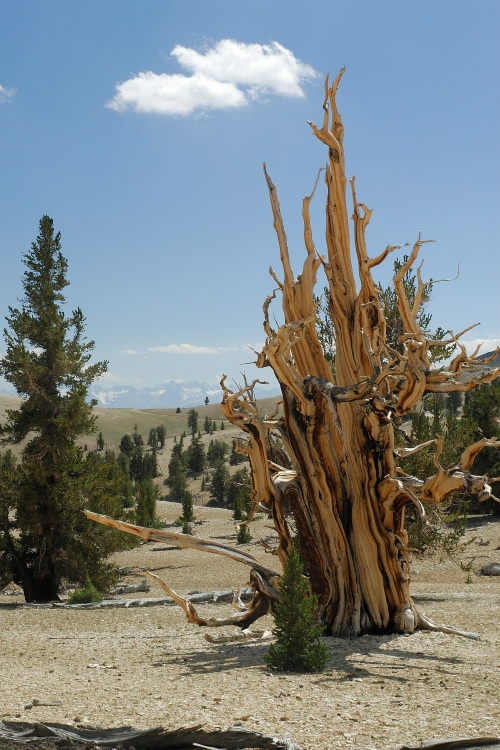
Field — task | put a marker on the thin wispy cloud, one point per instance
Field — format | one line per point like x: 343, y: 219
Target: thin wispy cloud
x: 486, y: 345
x: 191, y: 349
x: 111, y: 380
x: 6, y: 95
x: 226, y: 75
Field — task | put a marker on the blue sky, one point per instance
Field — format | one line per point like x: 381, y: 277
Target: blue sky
x: 141, y: 126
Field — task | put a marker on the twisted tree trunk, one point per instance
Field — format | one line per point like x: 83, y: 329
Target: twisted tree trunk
x: 326, y: 469
x: 341, y: 484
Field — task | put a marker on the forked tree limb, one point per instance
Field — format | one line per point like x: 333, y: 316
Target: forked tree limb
x: 262, y: 579
x: 257, y: 608
x: 439, y: 381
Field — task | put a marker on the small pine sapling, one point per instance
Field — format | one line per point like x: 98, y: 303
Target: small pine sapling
x: 187, y: 517
x: 298, y: 647
x: 243, y: 536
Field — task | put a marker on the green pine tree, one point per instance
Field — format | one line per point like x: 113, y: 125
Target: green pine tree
x: 44, y: 537
x: 192, y: 421
x: 137, y: 437
x: 243, y: 536
x: 196, y: 457
x: 153, y: 438
x: 177, y: 479
x: 187, y: 507
x: 145, y: 509
x: 161, y: 434
x: 217, y: 451
x: 219, y: 483
x: 298, y: 647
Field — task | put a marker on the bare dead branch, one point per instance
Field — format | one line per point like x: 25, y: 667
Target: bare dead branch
x: 258, y: 607
x: 182, y: 540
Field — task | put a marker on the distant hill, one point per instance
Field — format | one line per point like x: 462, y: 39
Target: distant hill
x: 116, y: 422
x: 494, y: 362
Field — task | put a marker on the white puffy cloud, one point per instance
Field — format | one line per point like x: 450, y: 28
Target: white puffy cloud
x: 227, y: 75
x: 6, y: 94
x: 262, y: 67
x: 175, y: 94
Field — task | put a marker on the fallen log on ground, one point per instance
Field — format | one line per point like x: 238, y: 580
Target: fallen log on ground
x: 204, y: 597
x: 130, y: 588
x: 475, y: 743
x: 22, y: 733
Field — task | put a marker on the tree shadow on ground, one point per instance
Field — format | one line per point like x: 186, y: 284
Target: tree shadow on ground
x: 349, y: 660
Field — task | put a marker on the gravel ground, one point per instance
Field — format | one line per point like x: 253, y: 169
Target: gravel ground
x: 145, y: 666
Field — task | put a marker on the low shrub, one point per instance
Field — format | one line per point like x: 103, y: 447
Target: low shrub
x: 86, y: 594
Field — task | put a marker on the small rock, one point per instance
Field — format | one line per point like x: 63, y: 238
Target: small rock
x: 490, y: 569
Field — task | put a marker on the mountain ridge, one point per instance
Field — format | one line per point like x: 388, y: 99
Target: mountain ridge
x: 185, y: 393
x: 168, y: 395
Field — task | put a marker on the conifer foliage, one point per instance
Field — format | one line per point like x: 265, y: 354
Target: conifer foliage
x: 44, y: 538
x: 298, y: 647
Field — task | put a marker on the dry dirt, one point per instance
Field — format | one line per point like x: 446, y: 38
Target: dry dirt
x: 146, y: 666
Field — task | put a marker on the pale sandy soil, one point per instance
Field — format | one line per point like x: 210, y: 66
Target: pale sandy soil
x: 147, y: 667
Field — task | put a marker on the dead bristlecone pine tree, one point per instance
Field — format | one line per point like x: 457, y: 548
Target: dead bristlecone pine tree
x: 326, y: 465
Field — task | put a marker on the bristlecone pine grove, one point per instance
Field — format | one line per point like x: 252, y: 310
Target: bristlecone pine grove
x: 326, y: 465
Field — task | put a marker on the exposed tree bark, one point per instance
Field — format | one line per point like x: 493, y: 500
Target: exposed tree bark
x: 327, y: 468
x: 344, y: 492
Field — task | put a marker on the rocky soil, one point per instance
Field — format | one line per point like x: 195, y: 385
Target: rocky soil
x: 145, y: 666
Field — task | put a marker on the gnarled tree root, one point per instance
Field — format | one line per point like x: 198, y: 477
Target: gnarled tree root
x: 424, y: 623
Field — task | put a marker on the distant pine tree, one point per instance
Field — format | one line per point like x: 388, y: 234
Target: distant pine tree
x: 145, y: 510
